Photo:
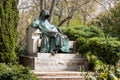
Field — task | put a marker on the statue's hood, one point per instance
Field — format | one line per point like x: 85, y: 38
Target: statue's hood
x: 44, y: 14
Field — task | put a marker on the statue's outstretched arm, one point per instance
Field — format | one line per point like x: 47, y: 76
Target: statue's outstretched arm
x: 60, y: 31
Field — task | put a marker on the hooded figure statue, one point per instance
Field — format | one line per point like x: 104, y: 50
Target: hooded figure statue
x: 52, y: 38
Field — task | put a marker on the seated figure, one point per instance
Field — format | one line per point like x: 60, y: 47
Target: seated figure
x: 52, y: 38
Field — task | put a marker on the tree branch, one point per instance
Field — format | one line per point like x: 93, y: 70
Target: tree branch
x: 67, y: 18
x: 52, y: 10
x: 29, y: 7
x: 64, y: 20
x: 101, y: 4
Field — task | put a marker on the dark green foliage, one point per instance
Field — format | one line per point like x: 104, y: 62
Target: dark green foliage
x: 15, y: 72
x: 20, y: 49
x: 82, y: 45
x: 109, y: 21
x: 92, y: 40
x: 93, y: 61
x: 108, y: 50
x: 8, y: 32
x: 106, y: 72
x: 105, y: 49
x: 83, y: 31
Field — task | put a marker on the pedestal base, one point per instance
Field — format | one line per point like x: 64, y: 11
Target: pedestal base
x: 58, y: 62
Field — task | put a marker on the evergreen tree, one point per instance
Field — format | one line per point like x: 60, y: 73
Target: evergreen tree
x: 8, y: 30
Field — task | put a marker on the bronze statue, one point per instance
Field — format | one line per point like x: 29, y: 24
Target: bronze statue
x: 52, y: 38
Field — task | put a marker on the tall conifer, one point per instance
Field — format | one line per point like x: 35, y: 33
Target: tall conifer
x: 8, y: 27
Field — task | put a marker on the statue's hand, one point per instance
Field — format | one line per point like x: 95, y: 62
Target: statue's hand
x: 40, y: 28
x: 52, y: 33
x: 59, y: 30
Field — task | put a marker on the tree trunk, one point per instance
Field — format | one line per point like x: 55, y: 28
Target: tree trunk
x: 41, y: 4
x: 52, y: 10
x: 45, y: 4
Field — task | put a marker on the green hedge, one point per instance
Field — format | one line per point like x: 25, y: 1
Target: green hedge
x: 82, y: 31
x: 92, y: 40
x: 93, y: 62
x: 106, y: 49
x: 82, y: 45
x: 15, y: 72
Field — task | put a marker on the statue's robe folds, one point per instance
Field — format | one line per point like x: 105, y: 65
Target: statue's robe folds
x: 52, y: 37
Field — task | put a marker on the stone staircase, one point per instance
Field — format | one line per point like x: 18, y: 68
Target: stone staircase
x: 61, y: 66
x: 61, y: 75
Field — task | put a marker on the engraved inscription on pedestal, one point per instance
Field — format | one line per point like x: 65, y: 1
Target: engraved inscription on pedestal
x: 58, y: 63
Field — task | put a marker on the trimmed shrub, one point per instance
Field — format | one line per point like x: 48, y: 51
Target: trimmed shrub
x: 82, y: 31
x: 8, y: 30
x: 15, y: 72
x: 105, y: 49
x: 82, y: 45
x: 93, y: 61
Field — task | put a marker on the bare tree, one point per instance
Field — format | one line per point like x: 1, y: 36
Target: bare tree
x: 52, y: 10
x: 68, y: 17
x: 63, y: 10
x: 72, y: 7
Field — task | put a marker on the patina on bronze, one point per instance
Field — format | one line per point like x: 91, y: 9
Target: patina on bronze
x: 52, y: 38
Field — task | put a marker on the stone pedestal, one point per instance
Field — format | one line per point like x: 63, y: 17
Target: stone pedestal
x: 58, y: 62
x: 46, y: 61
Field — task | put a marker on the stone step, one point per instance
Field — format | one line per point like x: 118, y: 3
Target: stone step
x: 61, y: 75
x: 61, y: 78
x: 58, y: 55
